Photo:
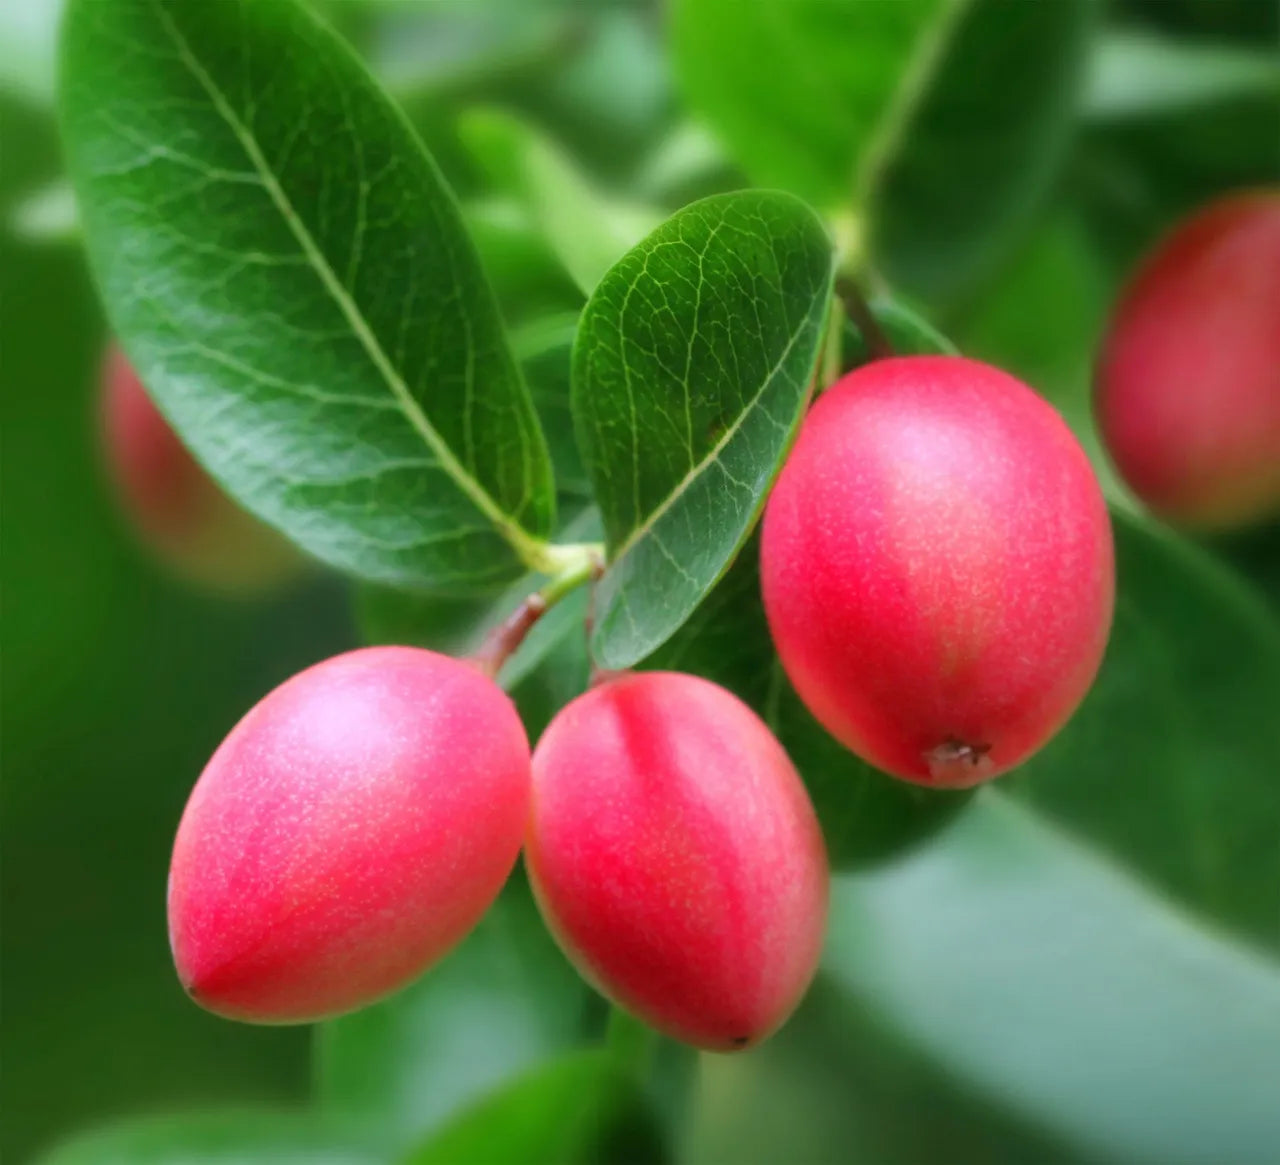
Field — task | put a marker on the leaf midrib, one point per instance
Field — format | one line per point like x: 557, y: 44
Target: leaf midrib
x: 712, y: 455
x: 516, y: 536
x: 922, y: 66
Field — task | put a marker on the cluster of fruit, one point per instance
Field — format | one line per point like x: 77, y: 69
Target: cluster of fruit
x: 937, y: 571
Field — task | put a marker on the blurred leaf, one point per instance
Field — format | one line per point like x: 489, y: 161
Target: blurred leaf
x: 1042, y: 321
x: 422, y: 50
x: 28, y: 40
x: 888, y: 110
x: 545, y: 351
x: 217, y: 1138
x: 835, y: 1087
x: 1137, y: 73
x: 1169, y: 766
x: 1046, y: 979
x: 497, y: 1006
x: 865, y: 815
x: 1079, y: 987
x: 293, y: 281
x: 799, y: 88
x: 588, y: 230
x: 1245, y: 21
x: 689, y: 163
x: 577, y: 1110
x: 1135, y: 177
x: 527, y: 275
x: 693, y: 363
x: 967, y: 159
x: 47, y: 215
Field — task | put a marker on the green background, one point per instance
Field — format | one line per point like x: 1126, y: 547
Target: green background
x: 118, y: 681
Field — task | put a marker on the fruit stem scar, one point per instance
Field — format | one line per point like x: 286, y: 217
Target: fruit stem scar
x: 953, y: 754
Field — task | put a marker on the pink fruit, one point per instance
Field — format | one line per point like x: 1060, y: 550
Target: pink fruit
x: 1188, y: 383
x: 175, y: 505
x: 352, y: 829
x: 676, y: 857
x: 937, y: 568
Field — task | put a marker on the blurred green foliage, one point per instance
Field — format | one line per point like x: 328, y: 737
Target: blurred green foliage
x: 118, y: 681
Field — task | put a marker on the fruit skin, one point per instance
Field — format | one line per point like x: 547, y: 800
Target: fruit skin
x: 177, y: 508
x: 937, y: 568
x: 676, y: 858
x: 351, y: 829
x: 1187, y: 390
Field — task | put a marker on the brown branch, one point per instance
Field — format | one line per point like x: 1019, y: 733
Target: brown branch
x: 860, y: 313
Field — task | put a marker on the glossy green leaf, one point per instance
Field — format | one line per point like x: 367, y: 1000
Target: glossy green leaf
x: 576, y: 1110
x: 979, y: 142
x: 694, y: 360
x: 799, y: 90
x: 589, y: 230
x: 501, y: 1003
x: 217, y: 1138
x: 1043, y: 977
x: 865, y: 815
x: 290, y: 275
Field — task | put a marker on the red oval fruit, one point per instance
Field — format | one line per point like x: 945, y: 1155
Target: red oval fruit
x: 176, y: 506
x: 676, y: 857
x: 937, y: 568
x: 351, y: 829
x: 1188, y: 382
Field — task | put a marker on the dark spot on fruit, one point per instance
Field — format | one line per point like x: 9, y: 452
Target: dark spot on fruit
x: 741, y: 1041
x: 953, y: 754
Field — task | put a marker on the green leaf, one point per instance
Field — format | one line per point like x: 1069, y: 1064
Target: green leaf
x: 587, y: 229
x: 887, y: 114
x: 47, y: 215
x: 1041, y: 321
x: 1043, y: 977
x: 28, y: 36
x: 291, y: 277
x: 497, y: 1006
x: 217, y: 1138
x: 1169, y: 766
x: 693, y: 363
x: 968, y: 159
x: 798, y: 89
x: 865, y: 815
x: 1135, y: 74
x: 577, y: 1110
x: 1089, y: 910
x: 834, y: 1087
